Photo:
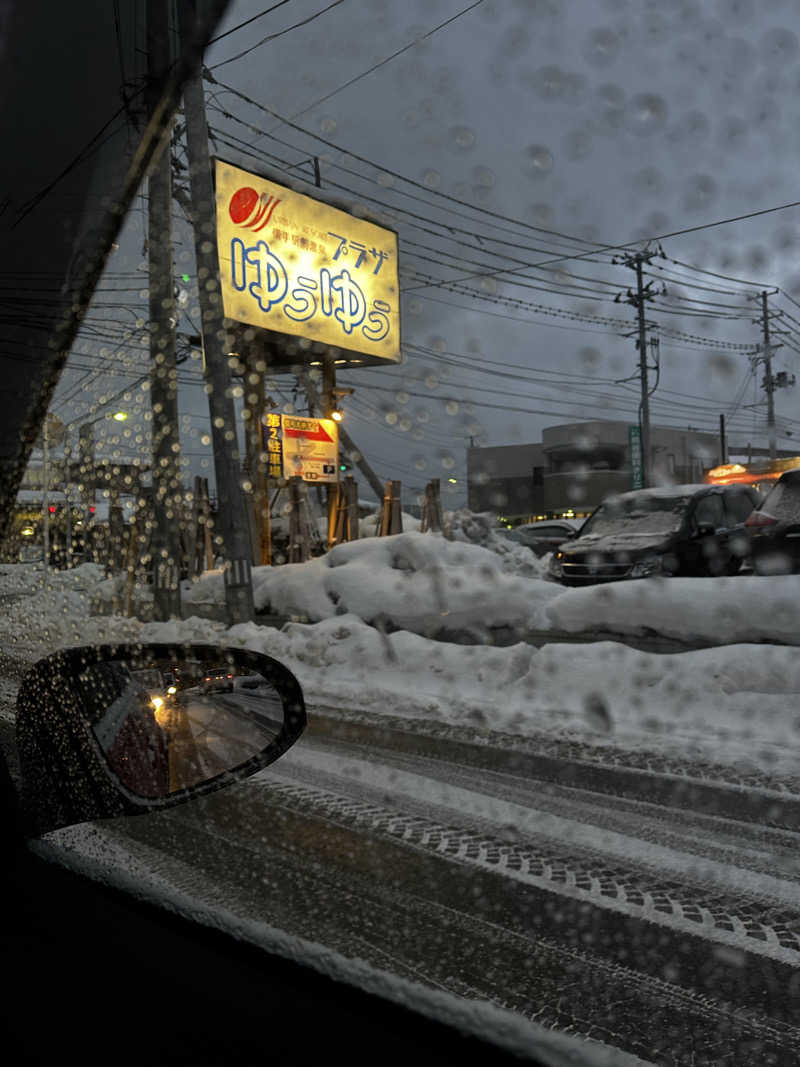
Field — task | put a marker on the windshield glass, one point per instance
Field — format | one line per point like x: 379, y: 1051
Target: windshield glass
x: 637, y: 515
x: 783, y: 500
x: 408, y: 278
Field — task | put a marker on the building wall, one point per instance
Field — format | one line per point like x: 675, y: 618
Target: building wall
x: 507, y: 479
x: 576, y: 465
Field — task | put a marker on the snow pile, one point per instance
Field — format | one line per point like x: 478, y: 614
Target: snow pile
x: 57, y: 615
x: 714, y: 610
x: 411, y: 581
x: 735, y: 705
x: 480, y: 528
x: 368, y: 524
x: 18, y: 579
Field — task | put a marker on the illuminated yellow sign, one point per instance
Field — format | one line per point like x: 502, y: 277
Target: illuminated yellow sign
x: 295, y: 265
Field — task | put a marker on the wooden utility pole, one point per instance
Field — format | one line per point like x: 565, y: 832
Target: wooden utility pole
x: 231, y: 526
x: 167, y: 490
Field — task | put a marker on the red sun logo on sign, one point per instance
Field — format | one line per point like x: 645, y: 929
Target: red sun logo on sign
x: 248, y: 209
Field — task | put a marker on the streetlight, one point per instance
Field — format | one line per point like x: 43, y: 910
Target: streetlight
x: 120, y: 416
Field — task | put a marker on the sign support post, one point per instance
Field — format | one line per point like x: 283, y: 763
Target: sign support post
x: 231, y: 520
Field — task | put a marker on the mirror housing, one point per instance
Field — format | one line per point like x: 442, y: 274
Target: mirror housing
x: 68, y: 776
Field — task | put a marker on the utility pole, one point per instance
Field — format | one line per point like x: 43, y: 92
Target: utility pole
x: 769, y: 383
x: 231, y: 525
x: 166, y: 550
x: 723, y: 441
x: 638, y: 299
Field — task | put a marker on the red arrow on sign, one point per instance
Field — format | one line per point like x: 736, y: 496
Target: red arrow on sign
x: 320, y: 434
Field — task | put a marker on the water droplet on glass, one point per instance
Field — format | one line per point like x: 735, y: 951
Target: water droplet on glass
x: 328, y: 125
x: 462, y: 138
x: 548, y: 82
x: 601, y: 47
x: 483, y: 176
x: 432, y: 179
x: 779, y: 45
x: 648, y: 113
x: 539, y: 161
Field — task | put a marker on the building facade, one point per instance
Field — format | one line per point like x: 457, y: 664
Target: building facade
x: 577, y: 465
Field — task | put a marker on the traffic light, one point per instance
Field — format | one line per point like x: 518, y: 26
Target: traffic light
x: 345, y: 465
x: 52, y: 509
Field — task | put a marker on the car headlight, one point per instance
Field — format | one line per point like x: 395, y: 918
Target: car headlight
x: 650, y: 565
x: 555, y: 568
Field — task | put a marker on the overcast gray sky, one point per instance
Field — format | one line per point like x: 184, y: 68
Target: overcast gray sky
x: 511, y: 137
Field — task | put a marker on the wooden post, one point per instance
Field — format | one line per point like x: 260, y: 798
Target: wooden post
x: 351, y: 499
x: 391, y: 520
x: 298, y: 537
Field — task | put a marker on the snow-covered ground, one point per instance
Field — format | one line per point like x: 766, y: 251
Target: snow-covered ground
x: 366, y: 614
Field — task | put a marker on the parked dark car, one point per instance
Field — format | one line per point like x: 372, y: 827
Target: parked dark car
x: 774, y: 529
x: 683, y: 529
x: 546, y: 536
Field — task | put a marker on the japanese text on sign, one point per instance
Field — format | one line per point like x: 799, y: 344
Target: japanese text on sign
x: 295, y: 265
x: 299, y: 446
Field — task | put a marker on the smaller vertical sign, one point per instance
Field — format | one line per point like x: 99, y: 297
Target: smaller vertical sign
x: 635, y: 450
x: 300, y: 446
x: 271, y: 426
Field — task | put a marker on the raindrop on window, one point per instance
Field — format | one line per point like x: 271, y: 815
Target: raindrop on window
x: 647, y: 113
x: 601, y: 47
x: 462, y: 138
x: 539, y: 161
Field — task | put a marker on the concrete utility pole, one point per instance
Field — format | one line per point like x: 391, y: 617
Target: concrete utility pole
x: 638, y: 299
x: 769, y: 383
x: 167, y: 490
x: 232, y: 524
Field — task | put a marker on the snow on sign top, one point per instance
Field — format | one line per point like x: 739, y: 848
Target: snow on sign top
x: 298, y: 266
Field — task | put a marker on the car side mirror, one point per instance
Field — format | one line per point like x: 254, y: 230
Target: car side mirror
x: 113, y: 730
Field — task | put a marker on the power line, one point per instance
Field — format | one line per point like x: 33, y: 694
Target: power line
x: 266, y: 11
x: 275, y: 36
x: 388, y: 59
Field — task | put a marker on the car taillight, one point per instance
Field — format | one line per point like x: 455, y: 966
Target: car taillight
x: 208, y: 679
x: 230, y: 676
x: 760, y: 518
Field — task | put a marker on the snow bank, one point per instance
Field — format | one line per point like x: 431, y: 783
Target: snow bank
x: 411, y: 581
x: 735, y: 705
x: 717, y: 610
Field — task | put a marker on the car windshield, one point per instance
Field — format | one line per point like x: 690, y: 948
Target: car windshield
x: 783, y: 500
x: 643, y: 514
x: 407, y: 275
